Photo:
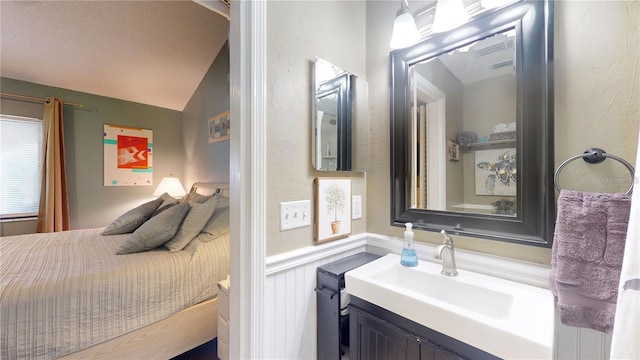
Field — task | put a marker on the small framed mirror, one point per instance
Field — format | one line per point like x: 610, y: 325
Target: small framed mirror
x: 472, y: 128
x: 332, y: 117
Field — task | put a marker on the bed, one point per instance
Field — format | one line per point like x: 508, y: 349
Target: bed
x: 68, y: 295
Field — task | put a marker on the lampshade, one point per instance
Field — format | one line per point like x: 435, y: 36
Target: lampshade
x: 490, y: 4
x: 171, y: 186
x: 449, y: 15
x: 405, y: 32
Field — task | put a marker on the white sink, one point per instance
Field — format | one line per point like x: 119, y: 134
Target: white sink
x: 502, y: 317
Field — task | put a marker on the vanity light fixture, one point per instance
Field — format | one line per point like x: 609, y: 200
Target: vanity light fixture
x: 449, y: 15
x: 172, y: 186
x: 490, y: 4
x: 405, y: 32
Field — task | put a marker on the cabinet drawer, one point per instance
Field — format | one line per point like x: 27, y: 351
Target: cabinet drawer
x: 223, y: 329
x: 223, y: 304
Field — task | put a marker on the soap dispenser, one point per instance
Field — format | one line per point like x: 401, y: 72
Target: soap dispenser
x: 409, y: 257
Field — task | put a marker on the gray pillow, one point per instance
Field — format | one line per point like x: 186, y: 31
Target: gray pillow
x: 196, y: 219
x: 156, y: 231
x: 219, y: 222
x: 163, y: 208
x: 167, y: 200
x: 132, y: 219
x: 194, y: 198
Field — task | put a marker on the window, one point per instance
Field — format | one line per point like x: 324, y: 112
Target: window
x: 20, y: 166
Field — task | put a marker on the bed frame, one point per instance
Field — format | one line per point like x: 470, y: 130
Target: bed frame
x: 169, y: 337
x: 210, y: 188
x: 161, y: 340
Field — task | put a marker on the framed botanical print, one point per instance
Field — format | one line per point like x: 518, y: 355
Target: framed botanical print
x: 333, y: 208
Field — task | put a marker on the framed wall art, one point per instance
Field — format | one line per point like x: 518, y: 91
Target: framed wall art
x: 496, y: 172
x: 219, y: 127
x: 128, y: 156
x: 454, y: 151
x: 333, y: 208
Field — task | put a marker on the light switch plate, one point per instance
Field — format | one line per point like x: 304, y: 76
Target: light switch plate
x: 295, y: 214
x: 356, y: 207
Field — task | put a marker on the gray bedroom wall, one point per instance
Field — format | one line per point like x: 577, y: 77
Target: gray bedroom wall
x: 204, y: 161
x: 90, y: 203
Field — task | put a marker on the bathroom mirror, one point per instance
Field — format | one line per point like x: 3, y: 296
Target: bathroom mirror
x: 471, y: 128
x: 332, y: 117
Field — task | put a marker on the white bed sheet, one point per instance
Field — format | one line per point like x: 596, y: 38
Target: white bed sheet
x: 63, y: 292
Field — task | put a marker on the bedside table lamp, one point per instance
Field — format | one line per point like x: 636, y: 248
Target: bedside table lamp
x: 172, y: 186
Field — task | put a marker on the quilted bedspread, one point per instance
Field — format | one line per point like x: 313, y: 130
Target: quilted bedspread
x: 66, y: 291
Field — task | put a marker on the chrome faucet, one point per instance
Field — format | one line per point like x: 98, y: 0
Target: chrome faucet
x: 445, y: 253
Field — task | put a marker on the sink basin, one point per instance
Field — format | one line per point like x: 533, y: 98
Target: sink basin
x: 505, y: 318
x: 447, y: 291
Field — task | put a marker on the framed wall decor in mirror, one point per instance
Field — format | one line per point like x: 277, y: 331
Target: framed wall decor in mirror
x: 472, y: 128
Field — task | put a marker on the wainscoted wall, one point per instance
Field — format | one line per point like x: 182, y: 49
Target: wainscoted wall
x: 581, y: 344
x: 290, y: 299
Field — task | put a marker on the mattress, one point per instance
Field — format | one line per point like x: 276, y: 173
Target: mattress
x: 66, y: 291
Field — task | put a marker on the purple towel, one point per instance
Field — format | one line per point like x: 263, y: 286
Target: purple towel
x: 586, y: 258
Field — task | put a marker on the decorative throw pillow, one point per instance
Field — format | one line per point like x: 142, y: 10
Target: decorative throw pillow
x: 219, y: 222
x: 163, y: 208
x: 132, y: 219
x: 156, y: 231
x: 196, y: 219
x: 194, y: 198
x: 167, y: 200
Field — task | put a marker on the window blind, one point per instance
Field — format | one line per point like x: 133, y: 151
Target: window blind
x: 20, y: 166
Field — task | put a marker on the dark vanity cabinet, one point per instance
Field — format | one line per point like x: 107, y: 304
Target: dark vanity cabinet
x: 376, y: 333
x: 332, y: 301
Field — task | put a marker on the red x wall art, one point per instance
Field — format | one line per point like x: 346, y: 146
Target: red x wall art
x: 128, y: 156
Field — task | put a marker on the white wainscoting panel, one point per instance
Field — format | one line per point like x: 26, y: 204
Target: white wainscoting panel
x: 574, y: 343
x: 290, y: 299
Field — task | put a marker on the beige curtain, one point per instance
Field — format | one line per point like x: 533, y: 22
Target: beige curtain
x: 53, y: 214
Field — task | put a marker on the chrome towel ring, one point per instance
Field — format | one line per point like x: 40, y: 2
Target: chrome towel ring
x: 595, y: 156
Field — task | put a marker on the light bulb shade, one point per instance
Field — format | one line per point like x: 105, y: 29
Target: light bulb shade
x: 449, y: 15
x: 405, y: 32
x: 171, y: 186
x: 490, y: 4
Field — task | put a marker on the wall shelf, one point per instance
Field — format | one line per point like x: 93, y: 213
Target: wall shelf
x: 487, y: 144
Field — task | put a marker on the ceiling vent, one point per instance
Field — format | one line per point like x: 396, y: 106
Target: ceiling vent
x: 501, y: 64
x: 504, y: 44
x: 226, y: 2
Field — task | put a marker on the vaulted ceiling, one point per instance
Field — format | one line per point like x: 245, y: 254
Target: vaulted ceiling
x: 150, y: 52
